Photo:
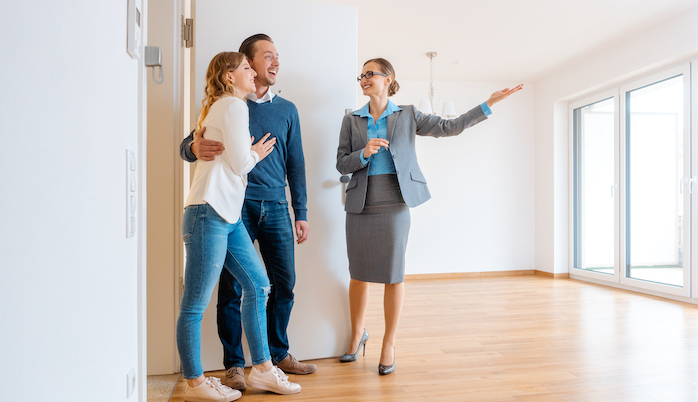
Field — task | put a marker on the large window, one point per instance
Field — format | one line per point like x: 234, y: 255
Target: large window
x: 632, y: 184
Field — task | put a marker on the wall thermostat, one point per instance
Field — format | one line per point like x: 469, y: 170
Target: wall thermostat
x: 134, y: 29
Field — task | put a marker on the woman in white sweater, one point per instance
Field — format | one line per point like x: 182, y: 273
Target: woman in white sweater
x: 215, y: 237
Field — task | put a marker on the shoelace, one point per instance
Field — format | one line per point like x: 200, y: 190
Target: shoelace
x: 215, y: 383
x: 280, y: 373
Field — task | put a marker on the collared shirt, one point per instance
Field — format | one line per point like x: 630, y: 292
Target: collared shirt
x: 381, y: 162
x: 266, y: 98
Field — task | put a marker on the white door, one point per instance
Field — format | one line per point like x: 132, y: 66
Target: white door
x: 317, y: 47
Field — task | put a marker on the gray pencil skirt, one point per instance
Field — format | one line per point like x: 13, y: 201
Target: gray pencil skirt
x: 377, y: 237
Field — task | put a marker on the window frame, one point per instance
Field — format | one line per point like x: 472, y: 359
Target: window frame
x: 589, y: 100
x: 645, y: 81
x: 689, y: 292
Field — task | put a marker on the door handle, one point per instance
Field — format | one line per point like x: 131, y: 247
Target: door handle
x: 344, y: 180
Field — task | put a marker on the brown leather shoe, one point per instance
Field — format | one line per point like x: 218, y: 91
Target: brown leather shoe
x: 292, y: 366
x: 235, y: 378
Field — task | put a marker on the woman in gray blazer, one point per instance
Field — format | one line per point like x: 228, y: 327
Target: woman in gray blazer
x: 376, y: 146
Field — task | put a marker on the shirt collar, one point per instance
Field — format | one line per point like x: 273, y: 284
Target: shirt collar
x: 266, y: 98
x: 390, y: 109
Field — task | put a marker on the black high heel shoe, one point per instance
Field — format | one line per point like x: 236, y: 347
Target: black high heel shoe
x: 385, y: 370
x: 350, y: 358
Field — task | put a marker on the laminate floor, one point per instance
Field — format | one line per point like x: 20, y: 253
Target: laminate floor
x: 516, y: 338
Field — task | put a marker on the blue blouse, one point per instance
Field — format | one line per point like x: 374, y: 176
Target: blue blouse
x: 382, y: 162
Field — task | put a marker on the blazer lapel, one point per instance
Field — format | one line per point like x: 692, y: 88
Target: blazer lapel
x: 363, y: 129
x: 392, y: 118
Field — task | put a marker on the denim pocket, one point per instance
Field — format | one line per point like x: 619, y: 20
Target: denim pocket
x: 189, y: 220
x: 280, y: 207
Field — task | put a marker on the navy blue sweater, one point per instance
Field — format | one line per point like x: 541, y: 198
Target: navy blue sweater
x: 267, y: 181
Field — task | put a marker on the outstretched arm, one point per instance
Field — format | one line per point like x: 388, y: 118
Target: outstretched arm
x: 503, y: 94
x: 435, y: 126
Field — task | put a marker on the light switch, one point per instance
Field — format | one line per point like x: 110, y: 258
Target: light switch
x: 131, y: 161
x: 131, y: 193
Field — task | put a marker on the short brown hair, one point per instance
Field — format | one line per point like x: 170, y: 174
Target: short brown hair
x: 387, y: 68
x: 248, y: 45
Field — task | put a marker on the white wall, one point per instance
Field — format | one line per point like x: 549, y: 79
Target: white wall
x: 70, y: 109
x: 662, y: 45
x: 481, y: 214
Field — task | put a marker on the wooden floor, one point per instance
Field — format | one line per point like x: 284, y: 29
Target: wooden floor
x: 517, y: 338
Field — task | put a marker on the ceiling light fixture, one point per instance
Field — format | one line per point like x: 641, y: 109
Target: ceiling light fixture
x: 427, y: 106
x: 431, y: 56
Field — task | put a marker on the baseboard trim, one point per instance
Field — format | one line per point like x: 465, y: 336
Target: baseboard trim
x: 554, y: 276
x: 463, y: 275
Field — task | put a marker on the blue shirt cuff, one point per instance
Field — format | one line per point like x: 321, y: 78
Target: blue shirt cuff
x: 485, y: 109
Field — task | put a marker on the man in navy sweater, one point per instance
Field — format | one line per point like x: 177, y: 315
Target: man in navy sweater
x: 265, y: 213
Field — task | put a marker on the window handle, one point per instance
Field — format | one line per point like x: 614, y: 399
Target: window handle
x: 688, y: 181
x: 682, y: 182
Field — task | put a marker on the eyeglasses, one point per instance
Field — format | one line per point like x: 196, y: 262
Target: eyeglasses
x: 369, y: 74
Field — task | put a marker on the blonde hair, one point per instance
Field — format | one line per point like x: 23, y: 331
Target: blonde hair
x: 217, y: 84
x: 387, y: 68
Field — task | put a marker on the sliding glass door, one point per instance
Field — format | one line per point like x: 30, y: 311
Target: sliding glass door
x: 657, y: 182
x: 632, y: 184
x: 595, y: 178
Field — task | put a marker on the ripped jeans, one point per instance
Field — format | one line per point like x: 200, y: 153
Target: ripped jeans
x: 211, y: 243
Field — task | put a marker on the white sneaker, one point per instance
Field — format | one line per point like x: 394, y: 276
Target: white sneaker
x: 211, y: 390
x: 273, y: 380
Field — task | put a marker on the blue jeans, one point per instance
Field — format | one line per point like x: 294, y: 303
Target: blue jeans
x: 211, y: 243
x: 269, y: 223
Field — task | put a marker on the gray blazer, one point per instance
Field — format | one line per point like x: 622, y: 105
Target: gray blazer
x: 402, y: 127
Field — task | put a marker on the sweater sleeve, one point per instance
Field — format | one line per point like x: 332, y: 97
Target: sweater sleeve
x: 185, y: 148
x: 295, y: 168
x: 236, y: 138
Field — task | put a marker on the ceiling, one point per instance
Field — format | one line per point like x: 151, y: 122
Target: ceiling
x: 498, y: 40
